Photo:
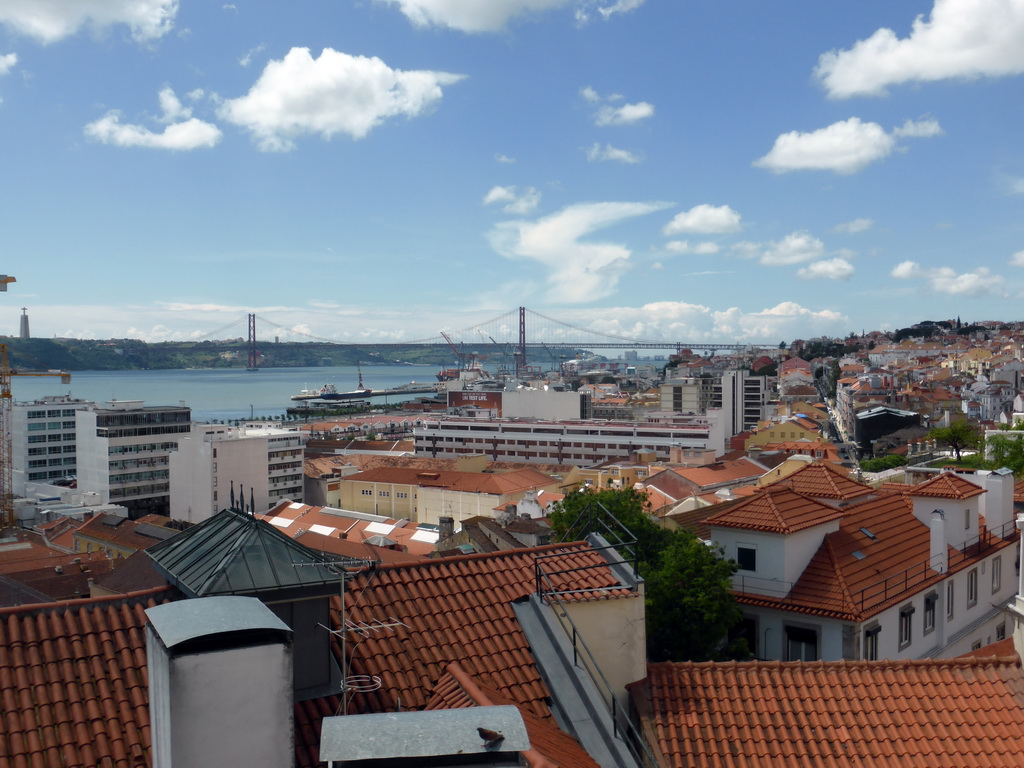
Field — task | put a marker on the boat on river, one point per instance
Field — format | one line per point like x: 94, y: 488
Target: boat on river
x: 330, y: 392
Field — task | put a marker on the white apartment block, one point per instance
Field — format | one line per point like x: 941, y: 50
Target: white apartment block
x: 925, y: 572
x: 564, y: 442
x: 123, y: 453
x: 742, y: 398
x: 262, y: 466
x: 43, y: 440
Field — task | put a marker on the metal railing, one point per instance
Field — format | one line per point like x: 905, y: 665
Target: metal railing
x: 622, y: 725
x: 913, y: 577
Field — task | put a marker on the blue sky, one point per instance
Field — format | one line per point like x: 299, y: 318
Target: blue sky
x: 386, y: 169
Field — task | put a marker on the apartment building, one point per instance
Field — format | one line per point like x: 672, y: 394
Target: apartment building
x: 262, y: 466
x: 829, y: 568
x: 565, y: 442
x: 741, y: 397
x: 43, y: 440
x: 123, y: 453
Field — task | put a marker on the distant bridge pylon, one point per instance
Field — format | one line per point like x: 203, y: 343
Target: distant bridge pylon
x: 518, y: 330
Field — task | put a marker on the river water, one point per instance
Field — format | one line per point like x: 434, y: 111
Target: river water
x: 222, y: 393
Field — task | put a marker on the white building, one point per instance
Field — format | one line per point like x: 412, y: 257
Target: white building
x: 43, y: 440
x: 262, y: 465
x: 832, y: 569
x: 742, y: 398
x: 565, y: 442
x: 123, y: 453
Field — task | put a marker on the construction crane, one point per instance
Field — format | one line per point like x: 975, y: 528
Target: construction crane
x: 6, y: 451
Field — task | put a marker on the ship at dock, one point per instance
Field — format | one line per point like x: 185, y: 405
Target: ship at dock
x: 330, y: 392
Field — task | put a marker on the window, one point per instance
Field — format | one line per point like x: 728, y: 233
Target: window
x: 366, y: 492
x: 976, y: 645
x: 746, y: 557
x: 1001, y: 631
x: 801, y: 644
x: 385, y: 494
x: 929, y: 612
x: 972, y: 587
x: 906, y: 626
x: 871, y: 643
x: 950, y: 592
x: 997, y: 574
x: 967, y: 519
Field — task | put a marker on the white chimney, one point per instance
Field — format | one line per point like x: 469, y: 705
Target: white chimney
x: 220, y: 684
x: 938, y: 550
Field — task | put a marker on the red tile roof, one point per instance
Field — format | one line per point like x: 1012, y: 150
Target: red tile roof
x: 946, y: 486
x: 457, y: 609
x: 824, y: 481
x: 962, y: 713
x: 73, y: 683
x: 776, y: 510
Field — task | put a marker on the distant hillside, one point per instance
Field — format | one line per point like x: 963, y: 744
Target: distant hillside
x: 129, y: 354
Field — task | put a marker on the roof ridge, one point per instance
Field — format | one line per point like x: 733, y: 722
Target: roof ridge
x: 567, y: 546
x: 11, y: 610
x: 755, y: 664
x: 840, y: 578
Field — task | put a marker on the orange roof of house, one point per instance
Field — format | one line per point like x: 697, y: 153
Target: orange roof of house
x: 967, y: 713
x: 459, y: 609
x: 824, y: 481
x: 722, y: 472
x: 776, y: 510
x: 946, y: 486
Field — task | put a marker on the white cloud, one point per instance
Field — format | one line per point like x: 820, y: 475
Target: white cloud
x: 624, y: 115
x: 472, y: 15
x: 182, y: 132
x: 52, y: 20
x: 620, y: 6
x: 1017, y: 260
x: 247, y: 57
x: 844, y: 147
x: 504, y: 159
x: 513, y: 200
x: 335, y: 93
x: 979, y: 282
x: 579, y: 270
x: 7, y: 61
x: 962, y: 39
x: 589, y: 94
x: 853, y: 227
x: 794, y: 248
x: 704, y: 220
x: 698, y: 249
x: 597, y: 153
x: 831, y: 269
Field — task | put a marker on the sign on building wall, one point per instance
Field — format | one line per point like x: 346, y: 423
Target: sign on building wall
x: 488, y: 400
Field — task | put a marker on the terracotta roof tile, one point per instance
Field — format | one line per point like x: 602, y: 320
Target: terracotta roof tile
x: 775, y: 509
x: 457, y: 609
x: 946, y: 486
x: 824, y: 481
x: 967, y: 713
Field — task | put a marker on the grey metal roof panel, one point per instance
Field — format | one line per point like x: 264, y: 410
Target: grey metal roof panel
x: 234, y: 553
x: 181, y: 621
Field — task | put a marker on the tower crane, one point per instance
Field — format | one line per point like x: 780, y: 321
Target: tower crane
x: 6, y: 451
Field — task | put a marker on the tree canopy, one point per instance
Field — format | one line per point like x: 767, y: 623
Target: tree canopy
x: 958, y: 435
x: 690, y: 607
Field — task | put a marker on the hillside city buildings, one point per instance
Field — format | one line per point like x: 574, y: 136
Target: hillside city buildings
x: 332, y: 587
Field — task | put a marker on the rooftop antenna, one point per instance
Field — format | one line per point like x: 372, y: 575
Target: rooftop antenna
x: 351, y: 684
x: 232, y: 494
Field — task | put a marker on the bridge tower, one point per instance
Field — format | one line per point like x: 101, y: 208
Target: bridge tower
x: 521, y: 350
x: 253, y: 364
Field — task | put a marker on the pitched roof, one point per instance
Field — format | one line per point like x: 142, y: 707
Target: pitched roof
x: 234, y: 553
x: 73, y: 682
x: 498, y: 483
x: 946, y: 486
x: 967, y: 713
x: 775, y: 510
x: 458, y: 609
x: 824, y: 481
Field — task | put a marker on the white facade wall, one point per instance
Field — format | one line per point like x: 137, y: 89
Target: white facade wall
x: 123, y: 453
x: 264, y: 465
x: 780, y: 559
x: 43, y: 440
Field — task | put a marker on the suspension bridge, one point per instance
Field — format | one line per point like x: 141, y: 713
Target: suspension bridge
x: 514, y: 333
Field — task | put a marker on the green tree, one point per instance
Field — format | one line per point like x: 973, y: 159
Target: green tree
x: 958, y: 435
x: 690, y: 607
x: 1007, y: 452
